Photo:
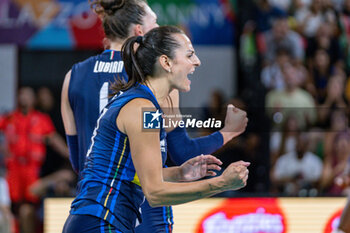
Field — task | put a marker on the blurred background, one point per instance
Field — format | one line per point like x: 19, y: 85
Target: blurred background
x: 285, y: 62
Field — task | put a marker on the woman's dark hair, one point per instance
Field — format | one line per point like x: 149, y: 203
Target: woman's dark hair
x: 142, y: 63
x: 118, y: 15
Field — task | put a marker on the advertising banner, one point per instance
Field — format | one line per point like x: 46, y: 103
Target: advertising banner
x: 70, y: 24
x: 235, y: 215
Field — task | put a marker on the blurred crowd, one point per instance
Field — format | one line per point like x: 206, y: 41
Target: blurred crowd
x: 294, y: 81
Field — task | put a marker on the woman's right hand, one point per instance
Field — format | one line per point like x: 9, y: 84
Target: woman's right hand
x: 235, y: 123
x: 235, y: 175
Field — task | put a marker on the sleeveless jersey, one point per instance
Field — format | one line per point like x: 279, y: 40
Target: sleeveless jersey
x: 88, y: 93
x: 110, y: 188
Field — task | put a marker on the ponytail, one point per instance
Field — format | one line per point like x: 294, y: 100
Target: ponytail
x: 131, y: 64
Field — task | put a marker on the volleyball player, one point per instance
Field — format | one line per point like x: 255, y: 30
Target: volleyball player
x: 85, y: 93
x: 123, y: 157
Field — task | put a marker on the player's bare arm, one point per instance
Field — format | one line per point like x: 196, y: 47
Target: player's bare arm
x: 148, y: 164
x: 66, y: 110
x: 235, y: 122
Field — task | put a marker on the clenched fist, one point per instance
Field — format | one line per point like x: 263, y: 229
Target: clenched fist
x: 235, y: 175
x: 235, y: 123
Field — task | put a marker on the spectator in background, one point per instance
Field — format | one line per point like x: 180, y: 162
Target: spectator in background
x: 26, y: 131
x: 280, y: 36
x: 310, y: 19
x: 338, y: 123
x: 334, y: 99
x: 297, y: 172
x: 265, y: 13
x: 292, y: 100
x: 320, y: 73
x: 325, y: 40
x: 271, y: 75
x: 45, y: 100
x: 335, y: 164
x: 285, y: 140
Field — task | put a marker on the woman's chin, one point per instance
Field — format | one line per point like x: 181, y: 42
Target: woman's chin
x: 188, y: 86
x: 186, y: 89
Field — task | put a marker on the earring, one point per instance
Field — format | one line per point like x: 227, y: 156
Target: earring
x: 169, y: 70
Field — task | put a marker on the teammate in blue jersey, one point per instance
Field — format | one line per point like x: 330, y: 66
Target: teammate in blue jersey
x: 123, y: 156
x: 85, y: 92
x: 88, y: 94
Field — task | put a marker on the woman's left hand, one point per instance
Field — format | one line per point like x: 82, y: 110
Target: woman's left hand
x: 199, y: 167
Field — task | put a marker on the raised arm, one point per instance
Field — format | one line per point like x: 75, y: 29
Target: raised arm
x: 147, y: 160
x: 69, y: 124
x: 182, y: 147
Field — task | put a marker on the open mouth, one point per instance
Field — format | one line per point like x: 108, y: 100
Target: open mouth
x: 190, y: 74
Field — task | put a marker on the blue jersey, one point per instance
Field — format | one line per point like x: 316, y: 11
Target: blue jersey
x: 110, y: 188
x: 88, y: 93
x: 87, y: 224
x: 156, y: 219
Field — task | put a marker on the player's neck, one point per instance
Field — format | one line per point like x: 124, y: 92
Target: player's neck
x: 117, y: 46
x: 160, y: 88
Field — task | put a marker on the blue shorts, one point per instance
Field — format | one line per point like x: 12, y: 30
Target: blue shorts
x: 88, y: 224
x: 155, y: 220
